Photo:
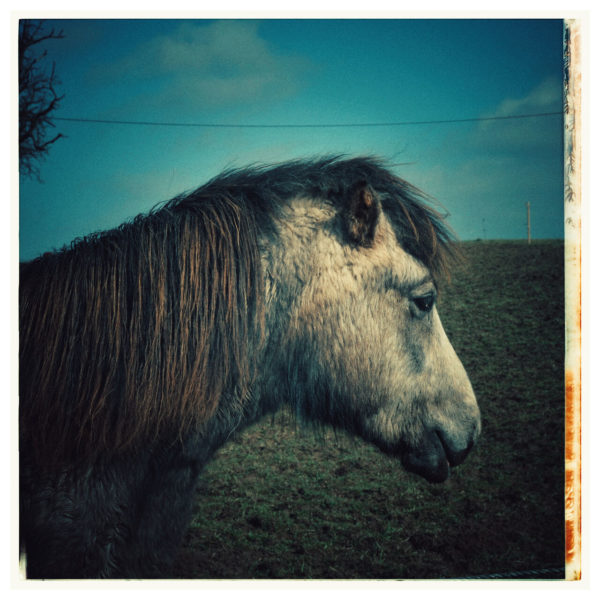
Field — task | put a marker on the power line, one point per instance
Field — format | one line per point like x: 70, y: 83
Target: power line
x: 304, y: 126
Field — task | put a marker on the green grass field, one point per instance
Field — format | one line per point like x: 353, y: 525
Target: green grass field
x: 280, y: 501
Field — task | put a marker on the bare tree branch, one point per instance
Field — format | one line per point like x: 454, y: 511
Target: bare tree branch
x: 38, y: 98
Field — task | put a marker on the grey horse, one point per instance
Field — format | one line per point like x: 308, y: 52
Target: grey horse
x: 309, y: 283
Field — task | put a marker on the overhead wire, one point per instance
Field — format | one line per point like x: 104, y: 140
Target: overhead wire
x: 303, y: 125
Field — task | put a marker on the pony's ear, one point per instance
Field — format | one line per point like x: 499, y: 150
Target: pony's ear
x: 362, y: 214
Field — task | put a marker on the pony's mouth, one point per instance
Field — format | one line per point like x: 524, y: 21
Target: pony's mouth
x: 434, y: 457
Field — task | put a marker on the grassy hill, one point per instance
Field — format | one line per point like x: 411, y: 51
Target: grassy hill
x: 281, y: 502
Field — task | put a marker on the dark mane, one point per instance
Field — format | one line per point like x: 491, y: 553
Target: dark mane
x: 135, y: 333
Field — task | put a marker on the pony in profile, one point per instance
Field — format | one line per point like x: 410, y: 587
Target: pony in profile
x: 311, y: 284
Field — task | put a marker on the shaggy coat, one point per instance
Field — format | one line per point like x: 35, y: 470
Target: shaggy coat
x: 144, y: 347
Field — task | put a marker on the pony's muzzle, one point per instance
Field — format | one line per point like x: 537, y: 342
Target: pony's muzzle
x: 438, y: 451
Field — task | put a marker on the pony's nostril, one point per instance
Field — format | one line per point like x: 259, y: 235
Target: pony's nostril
x: 455, y: 452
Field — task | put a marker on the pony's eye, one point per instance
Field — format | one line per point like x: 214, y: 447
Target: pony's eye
x: 425, y: 303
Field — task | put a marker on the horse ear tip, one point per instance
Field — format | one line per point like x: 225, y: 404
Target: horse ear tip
x: 363, y: 214
x: 366, y: 196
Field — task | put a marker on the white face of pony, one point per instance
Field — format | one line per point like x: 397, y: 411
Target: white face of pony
x: 364, y: 346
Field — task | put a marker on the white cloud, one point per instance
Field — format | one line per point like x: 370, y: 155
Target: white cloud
x: 221, y: 63
x: 523, y: 135
x: 546, y: 97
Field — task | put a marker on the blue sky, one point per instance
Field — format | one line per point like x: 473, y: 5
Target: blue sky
x: 303, y: 72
